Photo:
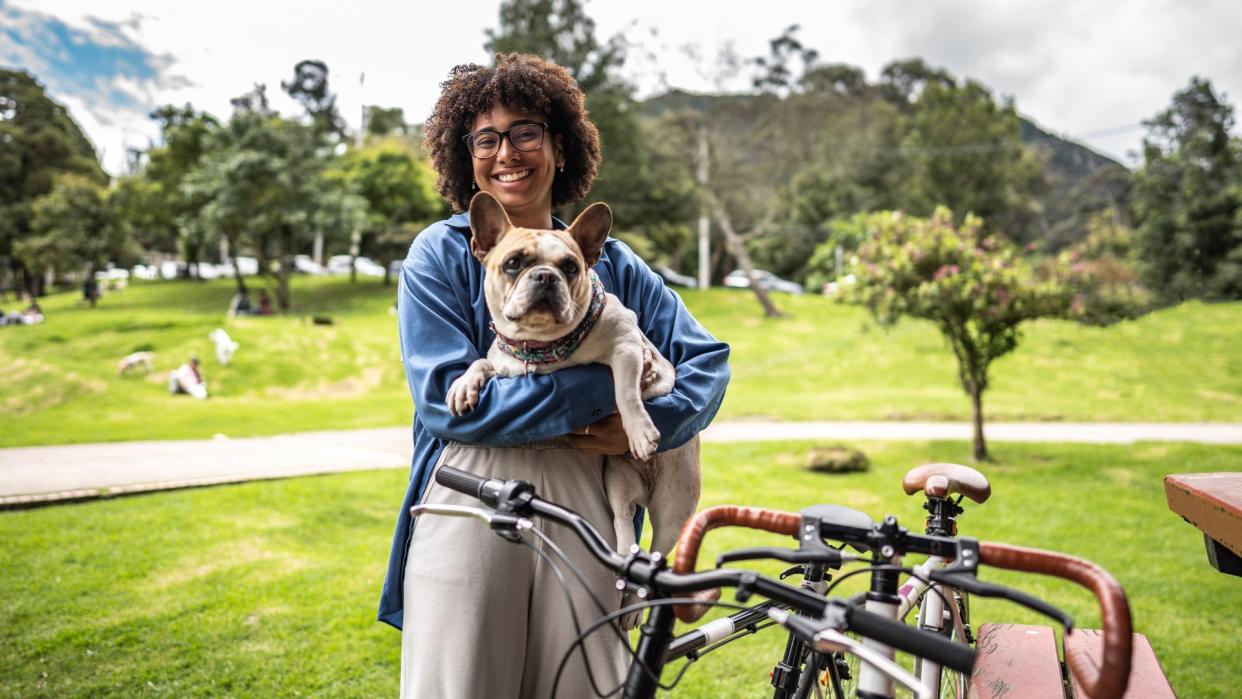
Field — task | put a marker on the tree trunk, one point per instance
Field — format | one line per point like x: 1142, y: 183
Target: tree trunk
x: 976, y: 404
x: 282, y: 275
x: 738, y: 249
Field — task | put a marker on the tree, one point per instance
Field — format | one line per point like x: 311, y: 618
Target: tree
x: 1188, y: 198
x: 73, y: 226
x: 399, y: 190
x: 309, y: 87
x: 153, y: 202
x: 974, y: 288
x: 966, y: 153
x: 261, y: 184
x: 774, y: 71
x: 39, y: 141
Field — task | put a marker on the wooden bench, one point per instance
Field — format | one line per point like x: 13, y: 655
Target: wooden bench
x: 1022, y: 662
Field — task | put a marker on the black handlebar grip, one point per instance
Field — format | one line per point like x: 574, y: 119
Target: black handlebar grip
x: 461, y: 481
x: 911, y: 640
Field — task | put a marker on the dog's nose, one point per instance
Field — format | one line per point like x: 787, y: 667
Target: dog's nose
x: 543, y: 277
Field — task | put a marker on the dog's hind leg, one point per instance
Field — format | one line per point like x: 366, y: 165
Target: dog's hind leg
x: 624, y: 487
x: 674, y: 495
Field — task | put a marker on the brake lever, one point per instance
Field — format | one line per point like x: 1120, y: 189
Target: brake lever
x: 507, y: 525
x: 976, y: 586
x: 827, y: 557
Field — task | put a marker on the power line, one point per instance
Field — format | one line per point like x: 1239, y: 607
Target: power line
x: 967, y: 148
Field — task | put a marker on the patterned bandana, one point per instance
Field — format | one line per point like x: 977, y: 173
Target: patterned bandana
x: 546, y: 352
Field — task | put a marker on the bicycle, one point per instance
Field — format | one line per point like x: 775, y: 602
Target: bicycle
x: 817, y: 620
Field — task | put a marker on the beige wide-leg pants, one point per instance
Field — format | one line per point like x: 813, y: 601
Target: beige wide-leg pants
x: 487, y: 618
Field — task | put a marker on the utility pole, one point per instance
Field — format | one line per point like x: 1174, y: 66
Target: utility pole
x: 705, y: 272
x: 355, y: 236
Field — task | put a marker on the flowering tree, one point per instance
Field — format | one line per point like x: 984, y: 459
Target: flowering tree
x: 975, y: 288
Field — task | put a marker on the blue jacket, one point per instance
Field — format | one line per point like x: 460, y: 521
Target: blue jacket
x: 443, y: 324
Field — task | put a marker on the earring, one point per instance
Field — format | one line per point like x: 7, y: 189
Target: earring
x: 562, y: 168
x: 473, y: 185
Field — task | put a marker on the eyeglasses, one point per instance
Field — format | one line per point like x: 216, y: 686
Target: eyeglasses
x: 526, y: 136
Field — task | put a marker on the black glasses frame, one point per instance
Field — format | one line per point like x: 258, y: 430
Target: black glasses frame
x: 543, y: 132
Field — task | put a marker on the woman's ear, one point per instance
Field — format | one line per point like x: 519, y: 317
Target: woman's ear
x: 488, y: 223
x: 558, y: 151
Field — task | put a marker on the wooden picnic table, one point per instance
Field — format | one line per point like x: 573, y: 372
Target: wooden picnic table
x: 1213, y: 503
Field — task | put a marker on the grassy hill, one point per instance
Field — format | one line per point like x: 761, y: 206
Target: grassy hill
x: 824, y: 361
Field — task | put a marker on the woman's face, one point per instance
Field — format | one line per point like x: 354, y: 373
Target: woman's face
x: 520, y: 180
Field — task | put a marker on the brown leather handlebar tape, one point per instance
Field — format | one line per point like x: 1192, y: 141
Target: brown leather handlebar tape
x: 1108, y: 679
x: 722, y: 516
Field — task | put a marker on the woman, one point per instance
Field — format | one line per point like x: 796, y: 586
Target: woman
x: 481, y: 616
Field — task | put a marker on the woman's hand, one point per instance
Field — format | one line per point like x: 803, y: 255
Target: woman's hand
x: 604, y: 437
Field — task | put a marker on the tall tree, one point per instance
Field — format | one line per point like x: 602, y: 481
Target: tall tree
x: 262, y: 185
x: 39, y: 140
x: 1188, y: 198
x: 155, y: 203
x: 73, y: 228
x: 309, y: 87
x: 400, y: 193
x: 966, y: 153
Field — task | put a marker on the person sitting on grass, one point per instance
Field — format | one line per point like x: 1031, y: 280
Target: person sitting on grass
x: 265, y: 304
x: 187, y: 378
x: 240, y: 305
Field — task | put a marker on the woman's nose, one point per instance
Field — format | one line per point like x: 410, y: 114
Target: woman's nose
x: 507, y: 151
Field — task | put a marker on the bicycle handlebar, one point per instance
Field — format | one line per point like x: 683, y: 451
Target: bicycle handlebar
x: 1113, y: 673
x: 1109, y: 680
x: 635, y: 569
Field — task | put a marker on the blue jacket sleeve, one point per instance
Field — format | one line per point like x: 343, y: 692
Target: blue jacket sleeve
x: 701, y: 360
x: 442, y: 327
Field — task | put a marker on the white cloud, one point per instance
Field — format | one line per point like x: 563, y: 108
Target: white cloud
x: 1073, y: 67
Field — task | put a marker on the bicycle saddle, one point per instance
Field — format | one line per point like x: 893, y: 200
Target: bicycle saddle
x: 943, y: 480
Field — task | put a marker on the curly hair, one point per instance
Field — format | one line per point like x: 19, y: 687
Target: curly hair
x: 524, y: 82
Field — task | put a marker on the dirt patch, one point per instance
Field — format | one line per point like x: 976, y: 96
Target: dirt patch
x: 222, y: 558
x: 30, y: 386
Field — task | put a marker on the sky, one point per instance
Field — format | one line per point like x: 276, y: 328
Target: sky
x: 1091, y: 71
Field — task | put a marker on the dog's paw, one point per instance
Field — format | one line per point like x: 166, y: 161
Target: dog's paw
x: 643, y: 441
x: 463, y: 395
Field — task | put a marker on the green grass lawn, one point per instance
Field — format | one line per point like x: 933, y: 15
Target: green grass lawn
x: 824, y: 361
x: 269, y: 589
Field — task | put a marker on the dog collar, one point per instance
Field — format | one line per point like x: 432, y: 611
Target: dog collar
x: 548, y: 351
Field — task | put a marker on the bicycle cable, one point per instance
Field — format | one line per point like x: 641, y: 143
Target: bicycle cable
x: 573, y: 615
x: 622, y: 612
x: 887, y: 566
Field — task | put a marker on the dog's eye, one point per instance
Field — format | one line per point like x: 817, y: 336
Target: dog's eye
x: 569, y: 267
x: 513, y: 265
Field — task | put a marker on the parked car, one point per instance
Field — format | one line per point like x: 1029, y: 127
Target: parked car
x: 672, y: 276
x: 172, y: 270
x: 304, y: 264
x: 339, y: 264
x: 112, y: 273
x: 206, y: 270
x: 737, y: 279
x: 834, y: 287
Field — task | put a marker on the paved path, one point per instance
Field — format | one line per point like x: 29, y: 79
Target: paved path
x: 33, y: 475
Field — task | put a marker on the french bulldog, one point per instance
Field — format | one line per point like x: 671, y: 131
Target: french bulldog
x: 550, y: 311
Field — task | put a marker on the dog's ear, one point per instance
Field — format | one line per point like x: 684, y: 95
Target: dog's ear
x: 488, y: 223
x: 590, y: 230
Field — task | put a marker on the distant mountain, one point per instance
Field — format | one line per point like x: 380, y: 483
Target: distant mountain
x: 1078, y: 180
